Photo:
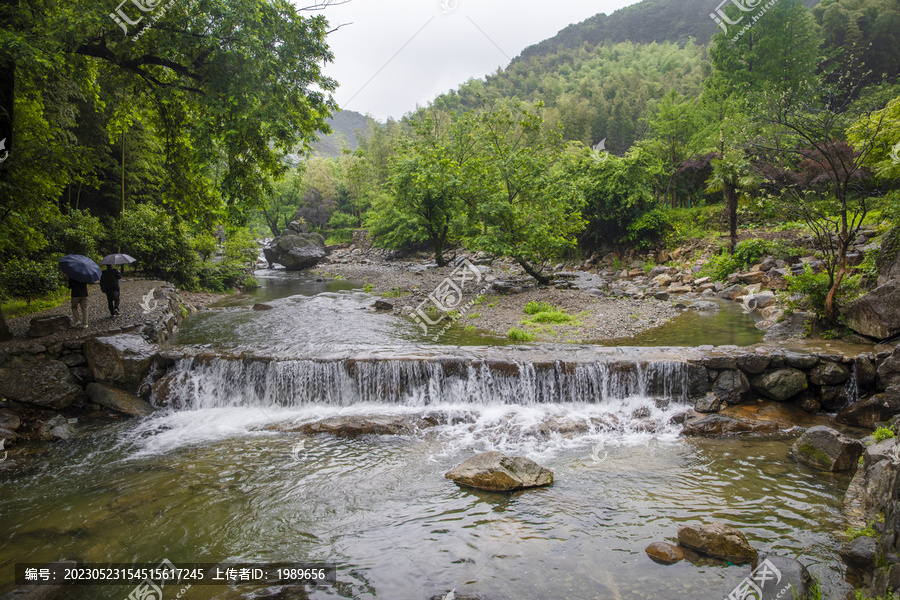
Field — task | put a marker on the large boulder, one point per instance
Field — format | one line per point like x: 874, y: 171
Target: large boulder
x: 888, y: 261
x: 888, y: 372
x: 38, y: 381
x: 781, y: 384
x: 829, y: 373
x: 295, y: 248
x: 792, y: 326
x: 874, y: 409
x: 41, y: 326
x: 860, y: 554
x: 497, y: 472
x: 119, y: 400
x: 719, y: 541
x: 877, y: 314
x: 122, y: 360
x: 826, y: 449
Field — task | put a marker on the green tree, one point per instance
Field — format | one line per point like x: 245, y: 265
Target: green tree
x: 734, y: 177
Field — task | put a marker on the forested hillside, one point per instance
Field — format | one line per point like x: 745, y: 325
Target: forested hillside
x: 345, y: 128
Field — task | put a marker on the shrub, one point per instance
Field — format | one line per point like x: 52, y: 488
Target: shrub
x: 250, y: 283
x: 555, y: 316
x: 218, y: 277
x: 75, y: 233
x: 205, y: 245
x: 855, y: 532
x: 519, y: 335
x: 240, y: 246
x: 746, y: 253
x: 648, y: 228
x: 882, y: 433
x: 160, y: 245
x: 28, y: 279
x: 814, y: 287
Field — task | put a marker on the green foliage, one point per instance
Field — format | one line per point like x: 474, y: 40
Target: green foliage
x: 368, y: 287
x: 860, y: 596
x: 814, y: 288
x: 20, y: 307
x: 28, y: 279
x: 852, y: 533
x: 160, y: 245
x: 648, y: 228
x: 537, y: 306
x: 556, y: 317
x: 882, y: 433
x: 240, y: 246
x: 205, y: 245
x: 75, y: 233
x: 519, y: 335
x: 746, y: 253
x: 473, y: 315
x: 249, y: 283
x: 396, y: 292
x: 220, y: 277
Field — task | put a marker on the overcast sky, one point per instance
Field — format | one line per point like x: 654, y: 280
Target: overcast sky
x: 395, y: 54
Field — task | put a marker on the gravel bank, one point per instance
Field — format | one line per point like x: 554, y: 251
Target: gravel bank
x: 406, y: 284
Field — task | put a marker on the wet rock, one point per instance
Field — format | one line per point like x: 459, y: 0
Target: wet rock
x: 7, y: 436
x: 9, y: 419
x: 497, y: 472
x: 888, y: 372
x: 833, y: 397
x: 73, y: 360
x: 41, y: 326
x: 810, y: 405
x: 760, y: 300
x: 752, y: 362
x: 118, y: 400
x: 719, y: 541
x: 719, y: 361
x: 864, y: 369
x: 762, y: 418
x: 793, y: 326
x: 57, y: 427
x: 859, y: 554
x: 355, y: 425
x: 869, y: 411
x: 123, y: 360
x: 662, y: 552
x: 826, y: 449
x: 661, y: 296
x: 793, y: 580
x: 781, y: 384
x: 732, y: 387
x: 295, y: 248
x: 829, y: 373
x: 800, y: 360
x: 877, y: 314
x: 776, y: 279
x: 261, y: 306
x: 382, y: 305
x: 41, y: 382
x: 705, y: 306
x: 732, y: 292
x: 710, y: 403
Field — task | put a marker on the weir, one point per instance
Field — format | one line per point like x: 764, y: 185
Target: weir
x: 209, y: 382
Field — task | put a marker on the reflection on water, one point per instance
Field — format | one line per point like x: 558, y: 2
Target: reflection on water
x: 728, y: 326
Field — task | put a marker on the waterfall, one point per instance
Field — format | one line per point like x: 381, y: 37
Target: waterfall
x: 196, y: 383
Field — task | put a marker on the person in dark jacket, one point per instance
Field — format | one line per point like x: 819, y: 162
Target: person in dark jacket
x: 79, y: 299
x: 109, y: 285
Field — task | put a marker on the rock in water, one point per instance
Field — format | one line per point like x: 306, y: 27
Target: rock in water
x: 781, y: 578
x: 781, y: 384
x: 123, y: 402
x: 719, y: 541
x: 826, y: 449
x: 495, y: 471
x: 869, y: 411
x: 664, y: 553
x: 295, y: 248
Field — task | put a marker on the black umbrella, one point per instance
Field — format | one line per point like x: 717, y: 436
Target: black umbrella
x: 80, y: 268
x: 117, y: 259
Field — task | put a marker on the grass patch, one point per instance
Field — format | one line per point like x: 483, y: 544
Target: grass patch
x: 473, y: 315
x: 397, y: 292
x: 857, y: 532
x: 544, y: 312
x: 18, y: 307
x: 519, y: 335
x: 882, y: 433
x: 368, y: 287
x: 535, y: 307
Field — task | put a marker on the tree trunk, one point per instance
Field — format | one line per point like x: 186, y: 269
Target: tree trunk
x: 731, y: 203
x: 5, y: 333
x: 541, y: 279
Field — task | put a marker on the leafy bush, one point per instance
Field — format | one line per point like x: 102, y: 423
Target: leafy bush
x: 160, y: 245
x: 250, y: 283
x: 519, y: 335
x: 218, y: 277
x: 205, y: 245
x: 75, y: 233
x: 814, y: 287
x: 28, y: 279
x: 746, y: 253
x: 648, y: 228
x: 240, y: 246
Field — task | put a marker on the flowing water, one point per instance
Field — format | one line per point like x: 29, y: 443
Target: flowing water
x: 219, y: 475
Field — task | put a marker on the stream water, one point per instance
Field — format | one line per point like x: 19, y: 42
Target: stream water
x: 217, y: 478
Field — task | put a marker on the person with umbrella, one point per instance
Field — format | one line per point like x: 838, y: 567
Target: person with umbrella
x: 81, y: 271
x: 109, y: 281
